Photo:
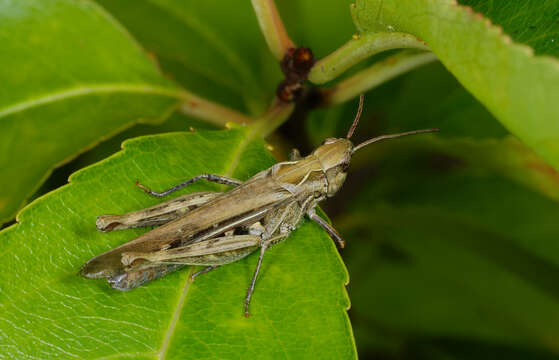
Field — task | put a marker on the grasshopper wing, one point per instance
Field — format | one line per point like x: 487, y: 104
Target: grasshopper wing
x: 244, y: 204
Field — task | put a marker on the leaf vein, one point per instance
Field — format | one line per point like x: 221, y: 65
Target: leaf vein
x: 235, y: 159
x: 87, y: 90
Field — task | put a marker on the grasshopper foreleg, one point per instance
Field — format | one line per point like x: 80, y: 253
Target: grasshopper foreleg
x: 209, y: 177
x: 329, y: 229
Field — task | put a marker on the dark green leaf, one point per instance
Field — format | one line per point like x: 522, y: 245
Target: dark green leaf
x: 70, y: 76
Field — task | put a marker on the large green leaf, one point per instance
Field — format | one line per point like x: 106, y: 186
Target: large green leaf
x: 519, y: 88
x: 48, y: 311
x: 70, y: 76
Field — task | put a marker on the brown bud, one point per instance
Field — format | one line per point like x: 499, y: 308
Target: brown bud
x: 296, y: 65
x: 303, y: 60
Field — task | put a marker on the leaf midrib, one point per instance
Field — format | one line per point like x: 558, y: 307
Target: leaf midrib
x: 83, y: 90
x: 234, y: 162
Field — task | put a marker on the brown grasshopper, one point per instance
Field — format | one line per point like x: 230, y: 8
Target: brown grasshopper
x: 214, y: 228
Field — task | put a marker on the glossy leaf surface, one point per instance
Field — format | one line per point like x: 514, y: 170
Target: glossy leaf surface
x: 48, y: 310
x: 70, y: 76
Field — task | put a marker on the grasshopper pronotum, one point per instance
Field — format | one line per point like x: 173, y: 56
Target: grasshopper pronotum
x: 214, y: 228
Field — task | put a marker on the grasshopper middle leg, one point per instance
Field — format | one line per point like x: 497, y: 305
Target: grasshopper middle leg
x: 263, y: 247
x: 209, y: 177
x: 253, y: 281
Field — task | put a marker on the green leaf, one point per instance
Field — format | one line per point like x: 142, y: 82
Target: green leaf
x: 70, y: 76
x: 533, y: 23
x: 47, y: 310
x: 519, y: 88
x: 456, y: 248
x: 176, y: 122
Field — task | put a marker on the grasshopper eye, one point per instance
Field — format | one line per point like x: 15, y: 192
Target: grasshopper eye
x: 329, y: 141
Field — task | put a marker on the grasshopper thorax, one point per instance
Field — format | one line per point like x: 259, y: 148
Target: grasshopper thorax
x: 334, y: 156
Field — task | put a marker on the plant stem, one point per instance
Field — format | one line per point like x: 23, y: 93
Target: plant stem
x: 272, y: 27
x: 209, y: 111
x: 376, y: 75
x: 360, y: 48
x: 278, y: 113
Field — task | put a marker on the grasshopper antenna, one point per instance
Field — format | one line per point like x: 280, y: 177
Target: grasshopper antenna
x: 392, y: 136
x: 357, y: 117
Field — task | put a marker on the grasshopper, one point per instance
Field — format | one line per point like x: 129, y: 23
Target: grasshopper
x: 215, y: 228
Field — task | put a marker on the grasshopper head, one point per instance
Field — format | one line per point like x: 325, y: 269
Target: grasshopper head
x: 335, y: 154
